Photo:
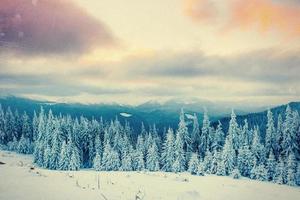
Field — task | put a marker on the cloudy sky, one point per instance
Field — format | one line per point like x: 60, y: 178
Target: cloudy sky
x: 130, y: 52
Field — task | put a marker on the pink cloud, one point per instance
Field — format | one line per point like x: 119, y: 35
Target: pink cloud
x: 282, y: 17
x: 33, y: 27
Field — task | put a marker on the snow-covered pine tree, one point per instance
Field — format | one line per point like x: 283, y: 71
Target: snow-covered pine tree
x: 257, y: 148
x: 2, y: 125
x: 179, y: 163
x: 219, y: 137
x: 228, y: 155
x: 291, y: 170
x: 47, y: 156
x: 9, y: 126
x: 140, y: 163
x: 279, y: 137
x: 24, y: 145
x: 64, y: 159
x: 35, y: 126
x: 195, y: 135
x: 221, y: 170
x: 74, y: 160
x: 280, y: 172
x: 168, y: 151
x: 298, y: 175
x: 56, y: 145
x: 259, y: 172
x: 110, y: 158
x: 270, y: 133
x: 193, y: 164
x: 235, y: 173
x: 97, y: 162
x: 208, y: 162
x: 205, y: 136
x: 152, y: 162
x: 234, y: 131
x: 182, y: 131
x: 245, y: 160
x: 200, y: 169
x: 271, y: 166
x: 288, y: 133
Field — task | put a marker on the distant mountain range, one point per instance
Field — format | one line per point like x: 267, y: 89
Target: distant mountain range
x: 162, y: 114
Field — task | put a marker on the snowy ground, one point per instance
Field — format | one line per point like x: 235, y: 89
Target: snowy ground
x: 18, y: 181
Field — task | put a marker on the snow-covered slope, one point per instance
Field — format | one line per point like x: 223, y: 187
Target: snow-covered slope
x: 18, y: 181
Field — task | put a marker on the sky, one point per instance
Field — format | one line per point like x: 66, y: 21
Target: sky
x: 93, y: 51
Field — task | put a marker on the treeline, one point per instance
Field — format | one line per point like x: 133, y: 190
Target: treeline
x: 64, y: 143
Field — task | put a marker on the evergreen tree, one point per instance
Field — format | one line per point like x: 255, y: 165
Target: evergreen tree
x: 35, y: 126
x: 97, y: 162
x: 205, y: 137
x: 208, y: 162
x: 221, y: 170
x: 153, y: 158
x: 110, y: 158
x: 280, y: 172
x: 298, y: 175
x: 259, y: 172
x: 64, y: 158
x: 55, y: 150
x: 291, y: 170
x: 257, y: 148
x: 200, y: 169
x: 271, y: 166
x: 2, y: 126
x: 219, y: 139
x: 279, y: 136
x: 234, y: 131
x: 245, y: 160
x: 183, y: 133
x: 179, y: 163
x: 47, y: 156
x: 195, y: 136
x: 270, y: 133
x: 24, y: 146
x: 228, y: 155
x: 193, y: 164
x: 140, y: 163
x: 288, y: 133
x: 168, y: 152
x: 235, y: 173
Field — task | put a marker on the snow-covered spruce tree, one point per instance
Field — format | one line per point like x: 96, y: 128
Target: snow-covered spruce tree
x: 127, y: 159
x: 139, y: 160
x: 259, y: 172
x: 140, y: 144
x: 13, y: 145
x: 219, y: 137
x: 291, y: 170
x: 280, y: 172
x: 228, y: 155
x: 168, y: 151
x: 235, y: 173
x: 288, y: 133
x: 279, y: 137
x: 110, y: 158
x: 205, y: 136
x: 39, y: 148
x: 97, y: 162
x: 179, y: 163
x: 200, y: 169
x: 56, y: 145
x: 298, y: 175
x: 152, y: 162
x: 74, y: 160
x: 35, y: 126
x: 24, y: 146
x: 271, y: 166
x: 245, y: 136
x: 270, y: 133
x: 193, y: 164
x: 64, y: 158
x: 26, y: 127
x: 208, y: 162
x: 221, y: 171
x: 234, y: 131
x: 257, y: 148
x: 17, y: 125
x: 245, y: 160
x: 2, y: 124
x: 9, y: 126
x: 214, y: 162
x: 195, y: 135
x: 47, y: 155
x: 182, y: 131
